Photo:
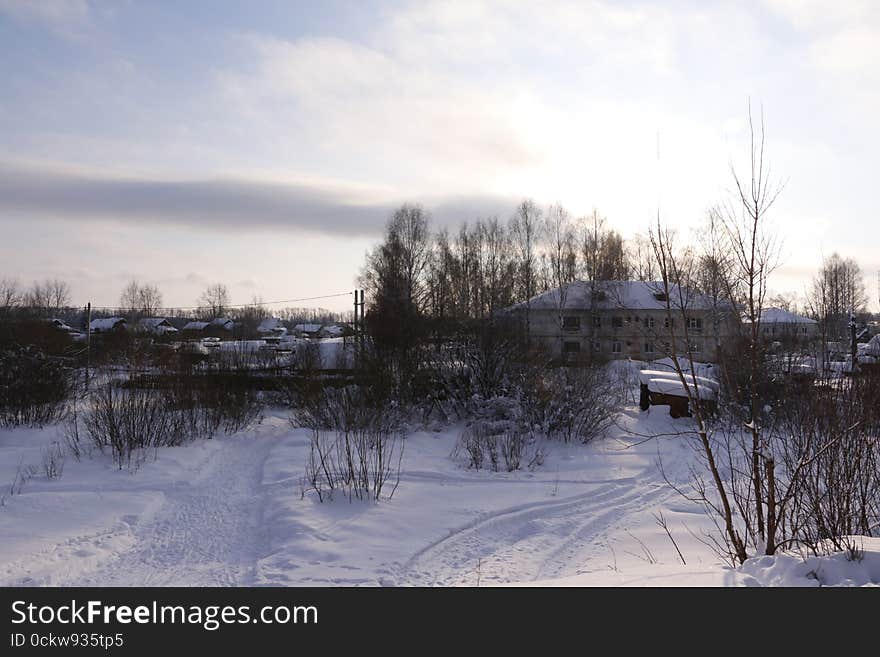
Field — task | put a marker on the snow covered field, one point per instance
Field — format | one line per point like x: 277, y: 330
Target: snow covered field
x: 229, y: 511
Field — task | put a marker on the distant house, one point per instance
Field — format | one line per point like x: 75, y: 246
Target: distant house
x: 777, y: 324
x: 308, y: 330
x: 61, y: 326
x: 334, y: 331
x: 108, y: 325
x: 222, y: 323
x: 195, y: 327
x: 220, y: 327
x: 272, y: 326
x: 156, y: 326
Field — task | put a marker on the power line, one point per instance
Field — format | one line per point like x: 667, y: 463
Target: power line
x: 239, y: 305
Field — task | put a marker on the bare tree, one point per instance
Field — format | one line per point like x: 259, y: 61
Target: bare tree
x: 10, y: 293
x: 755, y: 253
x: 140, y: 299
x: 561, y: 259
x: 48, y: 297
x: 603, y: 253
x: 215, y: 299
x: 676, y: 277
x: 526, y: 228
x: 838, y: 290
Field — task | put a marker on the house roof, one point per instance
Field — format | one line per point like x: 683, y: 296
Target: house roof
x: 781, y: 316
x: 154, y: 322
x: 610, y: 295
x: 106, y: 323
x: 271, y: 325
x: 307, y: 328
x: 222, y: 322
x: 196, y: 326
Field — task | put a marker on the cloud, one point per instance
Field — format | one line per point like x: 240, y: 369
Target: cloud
x: 217, y: 204
x: 67, y: 18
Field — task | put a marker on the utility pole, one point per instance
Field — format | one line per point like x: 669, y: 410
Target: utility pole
x: 356, y: 316
x: 853, y: 348
x: 363, y: 315
x: 88, y: 341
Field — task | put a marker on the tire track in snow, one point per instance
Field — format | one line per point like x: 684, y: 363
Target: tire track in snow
x: 540, y: 540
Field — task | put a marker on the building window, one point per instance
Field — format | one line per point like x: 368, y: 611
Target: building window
x: 617, y: 322
x: 649, y: 322
x: 616, y: 347
x: 597, y: 346
x: 571, y: 347
x: 649, y: 347
x: 695, y: 323
x: 696, y: 347
x: 571, y: 323
x: 668, y: 321
x: 597, y: 321
x: 804, y: 330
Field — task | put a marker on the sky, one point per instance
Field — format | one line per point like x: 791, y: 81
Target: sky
x: 264, y: 144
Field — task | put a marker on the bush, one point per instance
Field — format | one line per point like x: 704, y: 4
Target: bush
x: 34, y: 387
x: 483, y: 448
x: 571, y: 403
x: 356, y: 463
x: 347, y: 409
x: 129, y: 421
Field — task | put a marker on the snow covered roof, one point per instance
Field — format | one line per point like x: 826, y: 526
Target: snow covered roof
x: 307, y: 328
x: 153, y: 322
x: 157, y: 325
x: 610, y: 295
x: 223, y: 322
x: 781, y: 316
x: 334, y: 329
x: 196, y: 326
x: 271, y: 325
x: 60, y: 324
x: 872, y: 348
x: 106, y: 324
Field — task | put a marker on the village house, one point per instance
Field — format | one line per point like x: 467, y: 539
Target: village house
x: 272, y: 327
x: 624, y: 319
x: 156, y: 326
x: 778, y: 324
x: 107, y: 325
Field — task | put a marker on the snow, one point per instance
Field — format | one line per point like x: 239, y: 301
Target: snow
x: 229, y: 511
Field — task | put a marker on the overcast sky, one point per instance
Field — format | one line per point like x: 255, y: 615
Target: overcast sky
x: 263, y: 144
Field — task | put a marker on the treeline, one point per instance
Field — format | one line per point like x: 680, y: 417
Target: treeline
x: 51, y: 298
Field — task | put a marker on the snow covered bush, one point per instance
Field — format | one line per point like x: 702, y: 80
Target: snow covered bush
x: 571, y: 404
x: 485, y: 448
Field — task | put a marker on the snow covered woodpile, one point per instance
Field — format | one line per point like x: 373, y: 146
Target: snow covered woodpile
x: 662, y: 388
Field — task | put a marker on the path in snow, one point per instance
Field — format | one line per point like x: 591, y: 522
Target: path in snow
x: 208, y: 532
x: 536, y: 541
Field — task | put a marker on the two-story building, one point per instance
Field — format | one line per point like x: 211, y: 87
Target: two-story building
x: 625, y: 319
